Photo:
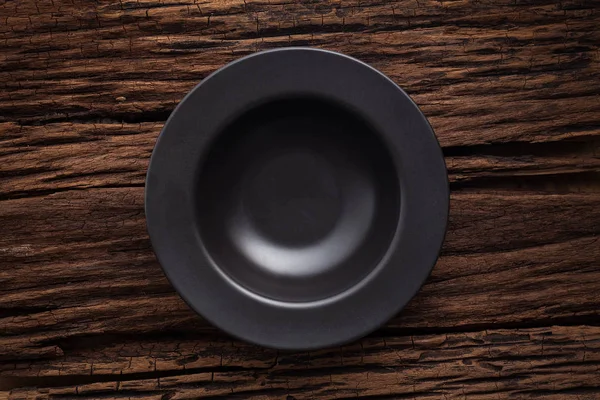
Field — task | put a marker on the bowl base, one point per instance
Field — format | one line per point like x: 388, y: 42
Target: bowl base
x: 298, y: 200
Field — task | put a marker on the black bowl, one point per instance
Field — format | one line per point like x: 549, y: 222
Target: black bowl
x: 297, y: 198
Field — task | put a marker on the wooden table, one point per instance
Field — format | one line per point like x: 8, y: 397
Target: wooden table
x: 512, y: 89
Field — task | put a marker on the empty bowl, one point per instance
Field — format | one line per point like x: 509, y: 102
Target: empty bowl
x: 297, y: 198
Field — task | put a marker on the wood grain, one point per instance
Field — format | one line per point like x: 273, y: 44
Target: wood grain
x: 522, y: 72
x: 555, y: 362
x: 63, y: 156
x: 100, y: 276
x: 512, y: 89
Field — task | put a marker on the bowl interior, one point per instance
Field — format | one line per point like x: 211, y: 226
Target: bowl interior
x: 297, y: 199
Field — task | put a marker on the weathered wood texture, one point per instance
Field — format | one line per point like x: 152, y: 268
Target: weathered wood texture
x: 555, y: 362
x: 512, y: 89
x: 505, y: 261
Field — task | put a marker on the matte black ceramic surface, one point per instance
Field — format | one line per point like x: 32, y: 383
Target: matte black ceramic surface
x: 297, y: 198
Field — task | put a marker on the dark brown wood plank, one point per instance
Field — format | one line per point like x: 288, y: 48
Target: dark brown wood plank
x: 61, y: 156
x: 81, y: 264
x: 482, y: 72
x: 556, y: 362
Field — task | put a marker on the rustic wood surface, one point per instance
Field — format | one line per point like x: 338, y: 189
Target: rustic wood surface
x: 512, y: 89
